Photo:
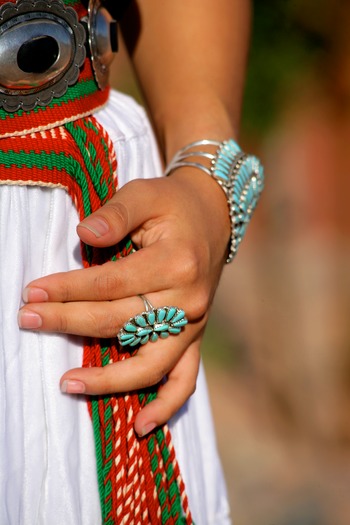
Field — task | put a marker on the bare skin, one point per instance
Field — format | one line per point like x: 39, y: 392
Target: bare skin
x: 190, y: 59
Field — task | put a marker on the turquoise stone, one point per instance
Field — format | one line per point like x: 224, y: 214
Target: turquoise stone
x: 127, y: 337
x: 125, y: 342
x: 161, y: 313
x: 161, y: 327
x: 128, y: 327
x: 136, y: 341
x: 141, y: 321
x: 250, y: 194
x: 151, y: 317
x: 164, y: 335
x: 223, y: 163
x: 144, y: 331
x: 221, y: 174
x: 244, y: 207
x: 174, y: 330
x: 154, y: 337
x: 183, y: 322
x: 179, y: 316
x: 172, y: 311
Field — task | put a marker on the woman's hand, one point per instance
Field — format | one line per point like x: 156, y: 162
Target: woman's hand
x: 181, y: 226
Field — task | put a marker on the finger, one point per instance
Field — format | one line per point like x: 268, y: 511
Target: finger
x: 173, y: 394
x: 151, y: 269
x: 130, y: 207
x: 93, y: 319
x: 148, y: 367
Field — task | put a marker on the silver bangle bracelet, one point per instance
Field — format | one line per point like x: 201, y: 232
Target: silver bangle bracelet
x: 241, y: 177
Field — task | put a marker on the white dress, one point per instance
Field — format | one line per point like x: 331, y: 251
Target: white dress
x: 47, y: 458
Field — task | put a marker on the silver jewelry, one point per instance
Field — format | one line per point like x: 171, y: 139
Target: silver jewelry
x: 103, y: 39
x: 152, y: 324
x: 187, y: 152
x: 241, y: 177
x: 42, y: 47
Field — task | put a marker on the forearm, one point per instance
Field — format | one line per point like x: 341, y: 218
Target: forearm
x: 190, y: 57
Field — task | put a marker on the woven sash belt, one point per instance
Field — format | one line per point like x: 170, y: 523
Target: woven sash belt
x: 49, y: 137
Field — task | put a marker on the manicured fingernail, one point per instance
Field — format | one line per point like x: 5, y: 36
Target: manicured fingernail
x: 96, y: 225
x: 147, y: 429
x: 29, y: 320
x: 70, y: 386
x: 34, y: 295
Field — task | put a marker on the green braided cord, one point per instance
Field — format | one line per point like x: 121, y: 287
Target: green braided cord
x: 79, y: 90
x: 90, y: 125
x: 108, y: 423
x: 174, y: 491
x: 98, y: 448
x: 95, y: 170
x: 176, y: 507
x: 102, y: 469
x: 72, y: 3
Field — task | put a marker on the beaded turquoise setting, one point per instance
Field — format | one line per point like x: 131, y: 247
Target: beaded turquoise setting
x: 151, y: 325
x: 242, y: 178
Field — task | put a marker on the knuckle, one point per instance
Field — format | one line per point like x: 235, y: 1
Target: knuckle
x: 145, y: 186
x: 106, y: 283
x: 199, y: 304
x: 152, y: 374
x: 65, y: 290
x: 187, y: 270
x: 118, y: 214
x: 153, y: 378
x: 61, y: 324
x: 105, y: 326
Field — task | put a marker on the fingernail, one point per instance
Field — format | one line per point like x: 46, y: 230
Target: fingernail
x: 96, y: 225
x: 70, y: 386
x: 147, y: 429
x: 34, y: 295
x: 29, y: 320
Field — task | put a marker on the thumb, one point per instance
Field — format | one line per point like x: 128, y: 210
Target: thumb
x: 128, y: 209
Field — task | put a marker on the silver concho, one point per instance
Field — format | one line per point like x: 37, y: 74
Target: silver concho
x: 41, y: 52
x: 102, y: 42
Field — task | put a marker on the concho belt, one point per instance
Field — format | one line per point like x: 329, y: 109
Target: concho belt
x: 43, y: 47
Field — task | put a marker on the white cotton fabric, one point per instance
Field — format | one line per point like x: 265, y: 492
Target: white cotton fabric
x: 47, y: 458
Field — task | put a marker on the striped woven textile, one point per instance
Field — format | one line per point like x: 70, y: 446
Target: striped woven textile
x: 62, y: 145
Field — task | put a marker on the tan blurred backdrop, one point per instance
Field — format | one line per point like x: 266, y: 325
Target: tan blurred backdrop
x: 277, y: 346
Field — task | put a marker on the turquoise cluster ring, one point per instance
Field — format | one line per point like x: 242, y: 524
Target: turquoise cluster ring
x: 152, y: 324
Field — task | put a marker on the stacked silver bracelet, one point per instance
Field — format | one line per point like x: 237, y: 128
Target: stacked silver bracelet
x: 241, y: 177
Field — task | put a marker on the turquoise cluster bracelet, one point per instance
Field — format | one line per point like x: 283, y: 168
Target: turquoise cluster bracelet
x: 241, y: 177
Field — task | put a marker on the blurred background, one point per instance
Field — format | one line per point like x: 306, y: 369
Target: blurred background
x: 277, y: 346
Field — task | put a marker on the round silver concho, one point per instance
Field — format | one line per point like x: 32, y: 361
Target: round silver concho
x: 41, y: 52
x: 102, y: 31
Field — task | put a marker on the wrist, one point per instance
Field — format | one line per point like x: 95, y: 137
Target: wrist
x: 239, y: 175
x: 204, y: 190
